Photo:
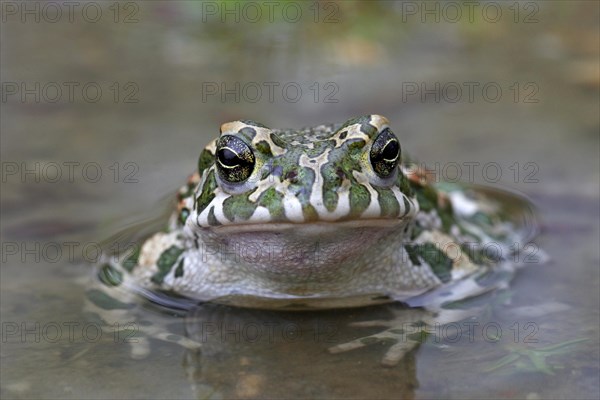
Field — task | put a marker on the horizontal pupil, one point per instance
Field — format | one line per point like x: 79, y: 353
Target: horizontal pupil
x: 228, y: 158
x: 391, y: 150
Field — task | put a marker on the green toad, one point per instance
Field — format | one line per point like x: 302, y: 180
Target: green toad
x: 321, y: 217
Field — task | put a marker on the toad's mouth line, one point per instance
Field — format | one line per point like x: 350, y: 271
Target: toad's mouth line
x: 316, y: 226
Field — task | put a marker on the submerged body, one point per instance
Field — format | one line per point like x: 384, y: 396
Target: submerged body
x: 321, y: 217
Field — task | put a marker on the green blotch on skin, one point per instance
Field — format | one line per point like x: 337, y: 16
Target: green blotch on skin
x: 239, y: 207
x: 265, y: 172
x: 104, y: 301
x: 273, y: 201
x: 415, y: 232
x: 477, y: 255
x: 440, y: 263
x: 354, y: 147
x: 248, y: 133
x: 264, y: 148
x: 368, y: 129
x: 212, y: 219
x: 412, y: 254
x: 179, y: 269
x: 205, y: 160
x: 363, y: 121
x: 183, y: 215
x: 407, y: 205
x: 310, y: 214
x: 342, y: 161
x: 302, y: 187
x: 277, y: 140
x: 207, y: 194
x: 360, y: 198
x: 427, y: 198
x: 110, y: 276
x: 330, y: 184
x: 348, y: 157
x: 404, y: 184
x: 130, y: 262
x: 319, y: 148
x: 446, y: 214
x: 447, y: 218
x: 388, y: 203
x: 165, y: 262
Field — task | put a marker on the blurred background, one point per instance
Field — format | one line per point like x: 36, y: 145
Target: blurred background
x: 105, y: 107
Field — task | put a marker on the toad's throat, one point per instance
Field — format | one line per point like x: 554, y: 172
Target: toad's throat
x: 306, y: 253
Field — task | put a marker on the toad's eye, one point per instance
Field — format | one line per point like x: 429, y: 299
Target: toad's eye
x: 235, y: 160
x: 385, y: 153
